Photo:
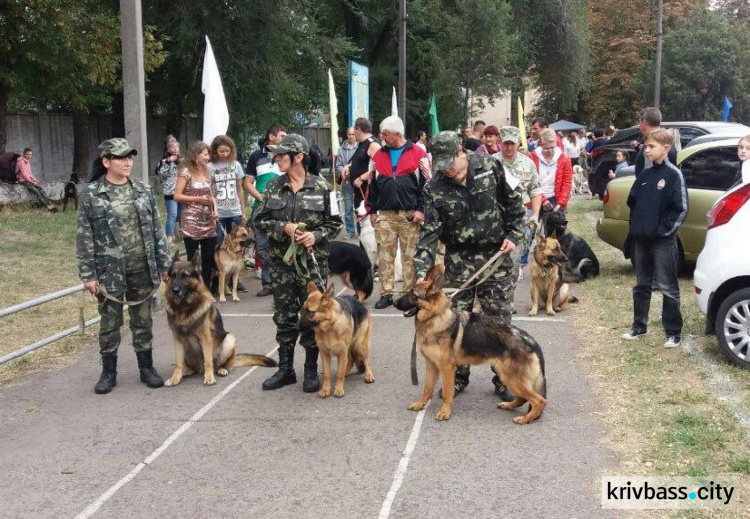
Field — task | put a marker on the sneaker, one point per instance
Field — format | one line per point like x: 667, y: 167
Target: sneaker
x: 241, y: 288
x: 673, y: 341
x: 631, y: 335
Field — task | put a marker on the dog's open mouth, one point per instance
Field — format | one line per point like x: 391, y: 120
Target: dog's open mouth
x: 411, y: 312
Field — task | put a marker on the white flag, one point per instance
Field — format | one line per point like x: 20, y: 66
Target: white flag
x: 215, y: 111
x: 334, y: 109
x: 394, y: 103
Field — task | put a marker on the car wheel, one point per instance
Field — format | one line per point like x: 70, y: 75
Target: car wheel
x: 733, y: 327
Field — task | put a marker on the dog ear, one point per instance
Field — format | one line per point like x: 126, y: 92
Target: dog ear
x: 329, y: 292
x: 176, y: 256
x: 196, y: 262
x: 312, y: 287
x: 438, y: 281
x: 234, y: 226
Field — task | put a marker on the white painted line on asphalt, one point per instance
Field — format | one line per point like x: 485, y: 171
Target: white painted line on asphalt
x: 398, y: 478
x: 93, y: 507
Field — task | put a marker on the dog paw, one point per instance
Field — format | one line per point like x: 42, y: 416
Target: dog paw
x: 338, y: 392
x: 208, y: 379
x: 235, y: 299
x: 416, y: 406
x: 505, y: 405
x: 173, y: 381
x: 443, y: 414
x: 369, y: 378
x: 550, y: 311
x: 533, y: 312
x: 222, y: 372
x: 222, y: 299
x: 325, y: 392
x: 521, y: 420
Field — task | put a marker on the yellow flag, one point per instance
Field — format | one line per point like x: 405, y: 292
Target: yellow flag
x: 522, y: 124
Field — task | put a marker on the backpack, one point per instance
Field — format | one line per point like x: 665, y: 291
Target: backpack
x: 8, y: 163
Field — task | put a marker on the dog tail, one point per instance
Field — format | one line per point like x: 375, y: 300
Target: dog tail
x: 588, y: 268
x: 250, y: 359
x: 572, y: 299
x: 368, y: 284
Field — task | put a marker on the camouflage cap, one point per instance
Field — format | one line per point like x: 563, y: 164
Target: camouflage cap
x: 510, y: 134
x: 444, y: 147
x: 293, y: 143
x: 117, y: 147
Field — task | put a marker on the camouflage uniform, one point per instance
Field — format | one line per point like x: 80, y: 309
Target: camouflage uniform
x: 472, y: 220
x: 311, y: 206
x: 121, y: 244
x: 523, y: 169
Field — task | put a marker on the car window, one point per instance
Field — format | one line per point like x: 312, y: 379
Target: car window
x: 714, y: 168
x: 688, y: 134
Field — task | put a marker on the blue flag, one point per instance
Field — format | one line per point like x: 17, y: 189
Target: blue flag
x: 727, y: 106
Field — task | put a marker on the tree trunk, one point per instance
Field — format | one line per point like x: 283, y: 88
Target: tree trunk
x: 3, y: 118
x: 81, y: 145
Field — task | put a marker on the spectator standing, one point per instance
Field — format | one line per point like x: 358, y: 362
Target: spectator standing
x: 658, y: 206
x: 538, y: 125
x: 491, y: 142
x: 198, y: 218
x: 622, y: 162
x: 401, y: 170
x: 261, y: 169
x: 166, y: 170
x: 648, y: 122
x: 27, y: 179
x: 362, y: 166
x: 470, y: 141
x: 129, y: 268
x: 555, y: 172
x: 342, y: 166
x: 743, y: 153
x: 226, y: 176
x: 572, y: 148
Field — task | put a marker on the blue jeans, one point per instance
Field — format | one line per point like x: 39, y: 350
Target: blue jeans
x: 657, y: 260
x: 226, y: 223
x: 173, y: 214
x: 348, y: 193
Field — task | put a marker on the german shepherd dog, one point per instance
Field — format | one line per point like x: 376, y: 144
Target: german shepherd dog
x: 582, y: 263
x: 353, y: 266
x: 71, y: 191
x: 342, y: 329
x: 201, y: 344
x: 230, y: 259
x: 547, y: 286
x: 448, y: 338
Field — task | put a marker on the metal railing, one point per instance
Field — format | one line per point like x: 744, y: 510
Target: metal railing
x: 82, y: 323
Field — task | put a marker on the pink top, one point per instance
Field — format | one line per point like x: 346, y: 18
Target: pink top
x: 23, y: 171
x: 195, y: 219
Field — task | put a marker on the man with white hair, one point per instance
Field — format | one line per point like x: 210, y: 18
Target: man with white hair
x: 401, y: 170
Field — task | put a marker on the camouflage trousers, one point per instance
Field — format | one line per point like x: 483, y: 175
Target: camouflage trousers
x: 289, y: 294
x: 494, y: 295
x: 139, y: 285
x: 394, y: 229
x: 522, y: 250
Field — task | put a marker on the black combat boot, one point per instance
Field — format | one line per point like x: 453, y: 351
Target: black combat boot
x: 108, y: 378
x: 460, y: 381
x: 502, y: 391
x: 149, y: 376
x: 311, y: 383
x: 285, y: 375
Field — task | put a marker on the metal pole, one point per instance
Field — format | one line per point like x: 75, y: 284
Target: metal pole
x: 48, y: 340
x: 402, y: 60
x: 134, y: 83
x: 40, y: 300
x: 659, y: 34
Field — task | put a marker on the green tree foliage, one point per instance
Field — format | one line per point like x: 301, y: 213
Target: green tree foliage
x: 703, y: 61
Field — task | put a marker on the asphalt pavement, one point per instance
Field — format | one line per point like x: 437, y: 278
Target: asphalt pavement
x: 234, y: 450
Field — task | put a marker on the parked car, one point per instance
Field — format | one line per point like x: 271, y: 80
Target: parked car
x: 709, y: 170
x: 603, y: 158
x: 722, y: 275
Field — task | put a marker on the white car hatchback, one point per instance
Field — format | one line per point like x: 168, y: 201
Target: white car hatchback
x: 722, y: 274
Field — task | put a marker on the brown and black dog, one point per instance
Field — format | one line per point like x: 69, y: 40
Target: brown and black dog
x: 448, y: 338
x: 230, y: 259
x: 547, y: 287
x: 342, y: 329
x: 201, y: 344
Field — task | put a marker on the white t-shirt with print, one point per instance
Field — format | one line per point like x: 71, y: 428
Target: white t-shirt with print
x: 224, y: 178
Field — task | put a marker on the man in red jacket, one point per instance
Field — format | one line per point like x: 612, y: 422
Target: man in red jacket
x: 401, y: 170
x: 555, y: 172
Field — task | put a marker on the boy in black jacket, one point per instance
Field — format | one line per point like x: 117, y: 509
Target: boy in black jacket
x: 658, y: 207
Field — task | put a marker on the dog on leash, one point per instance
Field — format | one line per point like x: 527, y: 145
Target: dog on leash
x: 229, y: 258
x: 580, y: 182
x: 353, y: 266
x: 547, y: 287
x: 448, y: 338
x: 201, y: 343
x: 582, y: 263
x: 342, y: 329
x: 70, y: 192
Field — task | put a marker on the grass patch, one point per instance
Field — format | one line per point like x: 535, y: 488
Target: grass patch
x: 662, y: 413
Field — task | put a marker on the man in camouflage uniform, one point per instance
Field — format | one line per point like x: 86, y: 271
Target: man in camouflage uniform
x: 296, y: 205
x: 475, y: 210
x: 524, y: 170
x: 122, y: 255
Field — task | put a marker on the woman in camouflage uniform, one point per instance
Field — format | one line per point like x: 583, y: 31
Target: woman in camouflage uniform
x: 122, y: 255
x: 296, y: 210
